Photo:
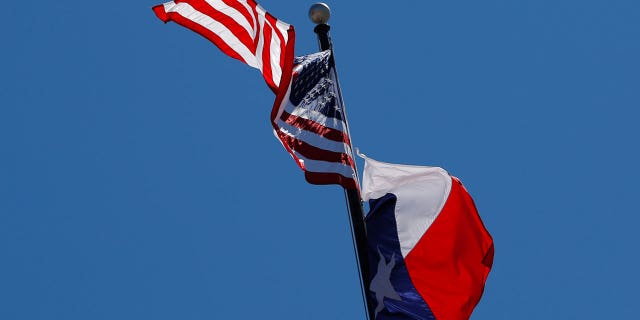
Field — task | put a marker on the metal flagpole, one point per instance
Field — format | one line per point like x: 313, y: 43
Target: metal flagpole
x: 319, y: 14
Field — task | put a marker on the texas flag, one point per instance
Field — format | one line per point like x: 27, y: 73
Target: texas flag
x: 429, y: 252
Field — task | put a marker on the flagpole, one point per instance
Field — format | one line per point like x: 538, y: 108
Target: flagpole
x: 319, y: 14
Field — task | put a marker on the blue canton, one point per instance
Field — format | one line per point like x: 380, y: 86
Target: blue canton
x: 312, y: 87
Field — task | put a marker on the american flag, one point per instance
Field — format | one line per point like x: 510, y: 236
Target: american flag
x: 240, y: 28
x: 309, y: 119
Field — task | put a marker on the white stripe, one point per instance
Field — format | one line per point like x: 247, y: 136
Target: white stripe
x: 326, y: 167
x: 307, y: 113
x: 168, y: 6
x: 188, y: 12
x: 233, y: 14
x: 283, y: 27
x: 276, y: 71
x: 260, y: 45
x: 313, y: 138
x: 250, y: 10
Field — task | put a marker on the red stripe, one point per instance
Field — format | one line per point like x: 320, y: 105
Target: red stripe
x: 286, y: 146
x: 315, y: 127
x: 315, y: 153
x: 330, y: 178
x: 266, y: 56
x: 235, y: 28
x: 259, y: 34
x: 160, y: 13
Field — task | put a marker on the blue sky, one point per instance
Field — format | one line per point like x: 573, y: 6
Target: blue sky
x: 139, y: 178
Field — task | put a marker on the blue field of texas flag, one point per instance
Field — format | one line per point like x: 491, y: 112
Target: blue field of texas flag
x: 429, y: 252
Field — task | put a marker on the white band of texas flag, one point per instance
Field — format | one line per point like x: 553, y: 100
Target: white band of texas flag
x: 429, y: 252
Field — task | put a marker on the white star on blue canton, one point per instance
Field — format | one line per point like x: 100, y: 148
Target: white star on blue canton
x: 381, y: 282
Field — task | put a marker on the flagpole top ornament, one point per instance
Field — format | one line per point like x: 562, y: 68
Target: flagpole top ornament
x: 319, y: 13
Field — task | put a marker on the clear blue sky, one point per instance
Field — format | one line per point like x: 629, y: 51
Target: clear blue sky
x: 139, y: 178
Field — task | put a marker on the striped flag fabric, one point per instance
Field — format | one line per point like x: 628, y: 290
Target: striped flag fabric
x: 309, y: 119
x: 242, y: 29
